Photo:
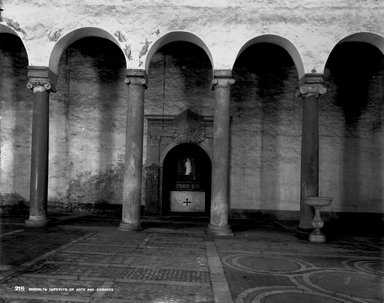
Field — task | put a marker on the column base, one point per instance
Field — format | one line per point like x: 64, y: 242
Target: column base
x: 36, y: 221
x: 129, y: 226
x: 219, y: 230
x: 317, y: 236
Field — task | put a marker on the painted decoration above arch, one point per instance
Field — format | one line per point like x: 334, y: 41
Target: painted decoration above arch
x: 73, y: 36
x: 280, y: 41
x: 365, y: 37
x: 174, y: 36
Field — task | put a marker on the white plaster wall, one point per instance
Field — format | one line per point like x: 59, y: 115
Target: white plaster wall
x: 314, y: 27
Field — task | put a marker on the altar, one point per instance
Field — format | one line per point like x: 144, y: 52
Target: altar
x: 187, y: 179
x: 187, y: 201
x: 178, y: 171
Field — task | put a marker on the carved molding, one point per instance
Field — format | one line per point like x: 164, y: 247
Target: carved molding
x: 312, y: 89
x: 222, y: 73
x: 155, y: 140
x: 136, y: 77
x: 41, y: 79
x: 165, y: 141
x: 189, y: 127
x: 40, y: 85
x: 222, y: 82
x: 136, y: 81
x: 311, y: 85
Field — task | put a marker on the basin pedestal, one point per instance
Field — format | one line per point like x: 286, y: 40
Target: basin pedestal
x: 317, y: 203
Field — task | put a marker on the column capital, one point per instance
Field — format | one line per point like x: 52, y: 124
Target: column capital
x: 222, y: 78
x: 41, y: 79
x: 136, y: 77
x: 311, y: 85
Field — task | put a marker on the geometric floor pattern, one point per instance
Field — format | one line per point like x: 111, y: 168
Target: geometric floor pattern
x: 116, y: 266
x: 164, y: 265
x: 282, y: 270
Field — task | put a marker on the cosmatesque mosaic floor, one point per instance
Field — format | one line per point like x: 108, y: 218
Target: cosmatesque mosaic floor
x: 267, y: 264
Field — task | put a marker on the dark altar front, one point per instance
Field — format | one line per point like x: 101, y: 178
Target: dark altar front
x: 178, y: 167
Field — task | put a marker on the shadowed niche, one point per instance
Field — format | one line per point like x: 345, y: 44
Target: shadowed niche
x: 352, y: 71
x: 186, y: 168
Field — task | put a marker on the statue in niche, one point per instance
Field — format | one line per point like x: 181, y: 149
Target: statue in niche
x: 187, y: 177
x: 187, y: 167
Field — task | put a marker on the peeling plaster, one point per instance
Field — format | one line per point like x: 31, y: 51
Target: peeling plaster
x: 120, y: 36
x: 53, y: 36
x: 90, y: 187
x: 127, y: 51
x: 145, y: 48
x: 15, y: 25
x: 312, y: 26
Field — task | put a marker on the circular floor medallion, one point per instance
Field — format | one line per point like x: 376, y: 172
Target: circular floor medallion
x: 283, y: 294
x: 375, y: 267
x: 298, y: 297
x: 263, y: 264
x: 354, y: 284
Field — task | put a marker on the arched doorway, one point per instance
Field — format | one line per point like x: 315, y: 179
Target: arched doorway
x: 186, y: 181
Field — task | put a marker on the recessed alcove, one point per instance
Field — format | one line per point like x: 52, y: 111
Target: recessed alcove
x: 186, y: 180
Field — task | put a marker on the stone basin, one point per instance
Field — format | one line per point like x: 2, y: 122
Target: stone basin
x: 318, y: 201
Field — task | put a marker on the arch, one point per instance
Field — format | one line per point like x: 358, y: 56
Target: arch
x: 165, y: 152
x: 4, y: 29
x: 280, y: 41
x: 7, y: 29
x: 192, y: 181
x: 176, y: 36
x: 365, y: 37
x: 73, y: 36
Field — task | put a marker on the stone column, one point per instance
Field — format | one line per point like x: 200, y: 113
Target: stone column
x: 137, y: 83
x: 310, y: 88
x: 220, y: 156
x: 41, y: 81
